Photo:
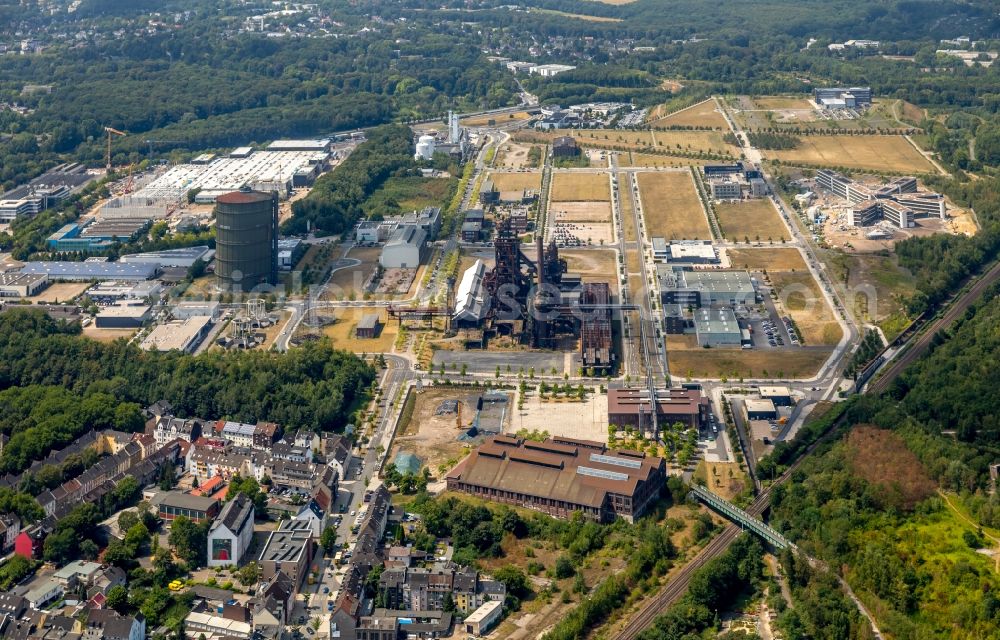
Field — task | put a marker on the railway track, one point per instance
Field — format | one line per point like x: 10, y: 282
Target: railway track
x: 679, y: 583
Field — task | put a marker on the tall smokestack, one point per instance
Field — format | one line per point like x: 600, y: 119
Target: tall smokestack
x: 540, y: 264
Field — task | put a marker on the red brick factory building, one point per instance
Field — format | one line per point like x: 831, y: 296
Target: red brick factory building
x: 560, y: 476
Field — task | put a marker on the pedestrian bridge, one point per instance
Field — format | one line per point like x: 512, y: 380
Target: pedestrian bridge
x: 733, y: 513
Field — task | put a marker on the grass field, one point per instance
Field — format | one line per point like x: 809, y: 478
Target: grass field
x: 859, y: 272
x: 516, y: 181
x: 626, y: 208
x: 782, y: 102
x: 800, y: 297
x: 594, y: 266
x: 671, y: 206
x: 873, y: 153
x: 754, y: 219
x: 342, y: 331
x: 483, y: 121
x: 776, y: 259
x: 725, y: 479
x: 580, y: 187
x: 593, y: 137
x: 654, y: 160
x: 702, y: 114
x: 576, y: 16
x: 694, y: 142
x: 736, y: 363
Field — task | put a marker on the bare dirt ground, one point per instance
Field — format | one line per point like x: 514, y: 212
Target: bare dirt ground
x: 507, y: 181
x: 434, y: 438
x: 107, y: 335
x: 513, y: 156
x: 593, y: 265
x: 581, y: 211
x: 586, y: 420
x: 60, y: 292
x: 396, y: 281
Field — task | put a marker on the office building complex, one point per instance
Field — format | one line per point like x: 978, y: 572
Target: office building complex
x: 896, y: 201
x: 839, y: 97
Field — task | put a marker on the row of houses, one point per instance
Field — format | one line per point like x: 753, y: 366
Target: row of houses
x: 18, y: 621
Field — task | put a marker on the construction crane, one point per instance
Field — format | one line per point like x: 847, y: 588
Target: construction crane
x: 111, y: 131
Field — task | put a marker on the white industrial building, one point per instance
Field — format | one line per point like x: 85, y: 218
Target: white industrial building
x: 182, y: 335
x: 194, y: 308
x: 184, y: 257
x: 470, y: 298
x: 22, y: 285
x: 549, y: 70
x: 405, y: 249
x: 279, y: 171
x: 692, y: 252
x: 123, y: 316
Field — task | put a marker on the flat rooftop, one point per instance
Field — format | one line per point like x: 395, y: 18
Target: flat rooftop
x: 176, y: 335
x: 692, y: 250
x: 92, y: 270
x: 758, y: 405
x: 715, y: 321
x: 229, y: 174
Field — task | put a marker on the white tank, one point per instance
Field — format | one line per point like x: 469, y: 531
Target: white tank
x: 425, y: 148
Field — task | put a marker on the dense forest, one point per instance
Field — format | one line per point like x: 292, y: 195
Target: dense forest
x: 335, y: 203
x: 869, y: 503
x: 314, y: 387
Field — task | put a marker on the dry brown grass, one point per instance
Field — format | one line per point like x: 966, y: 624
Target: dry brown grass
x: 703, y: 114
x: 753, y: 219
x: 594, y: 265
x: 694, y: 142
x: 577, y: 16
x: 483, y: 121
x: 671, y: 206
x: 782, y: 102
x: 516, y: 181
x: 892, y: 154
x: 107, y: 335
x: 777, y: 259
x: 604, y: 138
x: 882, y: 458
x: 580, y: 187
x: 342, y: 331
x: 351, y: 280
x: 655, y: 160
x: 800, y: 297
x: 725, y: 479
x: 735, y: 363
x: 626, y: 207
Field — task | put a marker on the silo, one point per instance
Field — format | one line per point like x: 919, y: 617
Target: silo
x: 425, y: 148
x: 246, y: 239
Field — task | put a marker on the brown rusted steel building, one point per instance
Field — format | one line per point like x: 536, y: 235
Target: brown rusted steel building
x: 560, y: 476
x: 632, y: 408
